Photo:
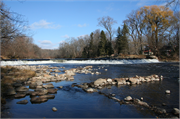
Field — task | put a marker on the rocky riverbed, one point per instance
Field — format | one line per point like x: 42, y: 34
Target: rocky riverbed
x: 40, y: 88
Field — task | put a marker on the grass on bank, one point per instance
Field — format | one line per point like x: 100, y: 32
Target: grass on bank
x: 10, y: 75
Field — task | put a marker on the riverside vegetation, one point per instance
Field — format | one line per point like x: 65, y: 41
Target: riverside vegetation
x: 17, y: 80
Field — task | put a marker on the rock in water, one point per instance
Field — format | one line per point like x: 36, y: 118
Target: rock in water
x: 176, y: 111
x: 54, y: 109
x: 168, y: 92
x: 22, y: 102
x: 128, y: 98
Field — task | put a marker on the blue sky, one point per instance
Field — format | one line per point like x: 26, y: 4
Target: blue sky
x: 54, y: 21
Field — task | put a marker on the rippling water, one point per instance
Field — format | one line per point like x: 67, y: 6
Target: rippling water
x: 73, y: 102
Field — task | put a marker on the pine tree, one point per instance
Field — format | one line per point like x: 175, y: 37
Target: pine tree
x: 91, y: 46
x: 102, y: 44
x: 122, y: 40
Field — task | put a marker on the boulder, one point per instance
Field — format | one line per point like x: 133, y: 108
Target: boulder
x: 100, y: 81
x: 17, y: 84
x: 48, y: 96
x: 32, y: 86
x: 120, y: 81
x: 60, y: 87
x: 39, y: 87
x: 22, y: 89
x: 128, y: 98
x: 109, y: 80
x: 133, y: 80
x: 50, y: 85
x: 11, y: 91
x: 52, y: 91
x: 20, y: 95
x: 54, y: 109
x: 38, y: 99
x: 22, y: 102
x: 70, y: 78
x: 176, y: 111
x: 167, y: 92
x: 39, y: 83
x: 90, y: 90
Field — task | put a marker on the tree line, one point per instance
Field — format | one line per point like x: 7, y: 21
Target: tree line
x: 153, y: 26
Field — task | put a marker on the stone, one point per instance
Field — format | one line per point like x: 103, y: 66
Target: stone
x: 17, y: 84
x: 53, y: 80
x: 176, y: 111
x: 22, y: 102
x: 11, y: 91
x: 143, y: 103
x: 32, y: 86
x: 133, y: 80
x: 113, y: 95
x: 120, y: 81
x: 99, y: 87
x: 113, y: 83
x: 19, y: 95
x: 160, y: 110
x: 167, y: 92
x: 22, y: 89
x: 70, y: 78
x: 109, y: 80
x: 39, y: 83
x: 128, y: 98
x: 61, y: 87
x: 54, y: 109
x: 99, y: 81
x: 38, y: 99
x: 50, y: 85
x: 52, y: 91
x: 39, y: 87
x: 90, y: 90
x: 116, y: 99
x: 48, y: 96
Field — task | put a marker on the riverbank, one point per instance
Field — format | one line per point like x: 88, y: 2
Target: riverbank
x: 43, y: 90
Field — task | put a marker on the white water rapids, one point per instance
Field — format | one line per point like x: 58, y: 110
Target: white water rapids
x: 124, y: 61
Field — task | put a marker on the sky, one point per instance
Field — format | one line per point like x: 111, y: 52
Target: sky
x: 52, y: 22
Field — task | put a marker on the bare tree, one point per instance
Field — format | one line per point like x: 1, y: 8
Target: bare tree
x: 107, y: 23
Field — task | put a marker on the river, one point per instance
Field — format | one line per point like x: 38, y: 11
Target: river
x: 73, y: 102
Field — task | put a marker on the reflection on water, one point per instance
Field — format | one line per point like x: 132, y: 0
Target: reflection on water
x: 74, y: 102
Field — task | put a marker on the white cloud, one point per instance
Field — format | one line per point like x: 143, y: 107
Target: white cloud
x: 44, y: 24
x: 45, y: 42
x: 65, y: 36
x: 143, y: 3
x: 84, y: 25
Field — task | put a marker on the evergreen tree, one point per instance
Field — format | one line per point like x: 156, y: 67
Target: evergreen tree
x: 109, y: 49
x: 91, y: 46
x: 122, y: 40
x: 102, y: 44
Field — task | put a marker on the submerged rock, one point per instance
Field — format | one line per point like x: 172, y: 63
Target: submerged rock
x: 19, y: 95
x: 38, y: 99
x: 22, y: 102
x: 22, y: 89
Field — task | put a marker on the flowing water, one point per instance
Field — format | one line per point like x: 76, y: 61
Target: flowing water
x: 73, y: 102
